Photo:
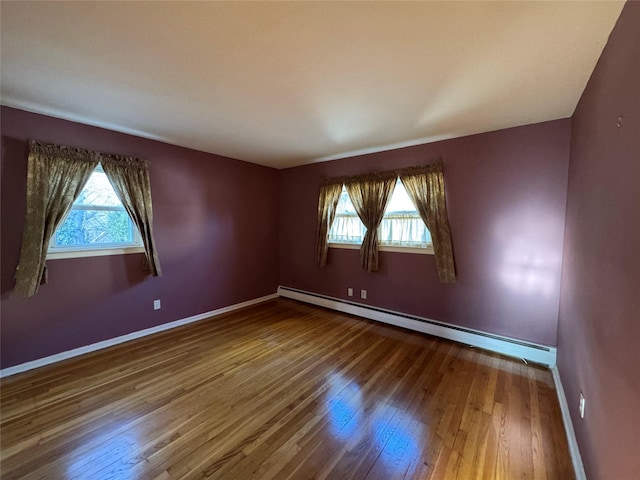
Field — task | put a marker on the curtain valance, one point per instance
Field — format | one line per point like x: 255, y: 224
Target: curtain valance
x: 63, y: 152
x: 388, y: 174
x: 41, y: 150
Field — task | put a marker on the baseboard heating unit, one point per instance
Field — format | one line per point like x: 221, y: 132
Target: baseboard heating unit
x: 512, y: 347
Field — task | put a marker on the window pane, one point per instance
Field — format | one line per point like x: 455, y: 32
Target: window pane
x: 401, y: 225
x: 344, y: 204
x: 97, y: 219
x: 347, y: 226
x: 404, y: 230
x: 400, y: 201
x: 98, y: 192
x: 95, y: 227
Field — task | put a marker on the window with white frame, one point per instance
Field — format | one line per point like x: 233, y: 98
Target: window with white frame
x: 401, y: 226
x: 97, y: 224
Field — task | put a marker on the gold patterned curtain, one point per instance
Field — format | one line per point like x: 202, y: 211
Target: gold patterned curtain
x: 130, y: 179
x: 425, y: 186
x: 370, y: 195
x: 55, y: 178
x: 327, y: 204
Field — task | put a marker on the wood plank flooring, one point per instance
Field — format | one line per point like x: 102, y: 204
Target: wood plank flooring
x: 284, y: 390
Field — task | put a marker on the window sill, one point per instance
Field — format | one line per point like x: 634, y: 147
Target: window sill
x: 386, y: 248
x: 93, y: 253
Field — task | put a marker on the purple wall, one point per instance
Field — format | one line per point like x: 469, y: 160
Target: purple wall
x: 208, y: 210
x: 599, y: 322
x: 506, y: 196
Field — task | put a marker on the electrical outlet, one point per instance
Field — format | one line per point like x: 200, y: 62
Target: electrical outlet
x: 350, y: 292
x: 582, y: 402
x: 156, y: 305
x: 363, y: 294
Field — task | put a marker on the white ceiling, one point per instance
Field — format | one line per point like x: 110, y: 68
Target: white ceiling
x: 288, y: 83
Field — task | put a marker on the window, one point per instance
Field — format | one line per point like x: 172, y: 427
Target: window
x: 401, y: 228
x: 97, y: 224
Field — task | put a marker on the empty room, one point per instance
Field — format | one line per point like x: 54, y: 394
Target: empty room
x: 320, y: 240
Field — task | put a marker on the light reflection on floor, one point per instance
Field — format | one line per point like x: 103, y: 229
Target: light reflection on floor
x: 404, y: 443
x: 396, y: 433
x: 344, y: 404
x: 107, y: 457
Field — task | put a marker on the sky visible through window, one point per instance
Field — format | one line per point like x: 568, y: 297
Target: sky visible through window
x: 98, y: 192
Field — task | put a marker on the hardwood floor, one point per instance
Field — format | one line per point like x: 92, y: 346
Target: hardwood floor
x: 284, y: 390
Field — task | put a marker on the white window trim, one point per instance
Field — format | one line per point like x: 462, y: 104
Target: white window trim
x: 97, y: 250
x: 387, y: 248
x: 61, y: 253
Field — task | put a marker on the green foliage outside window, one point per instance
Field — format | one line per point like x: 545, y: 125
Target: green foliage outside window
x: 86, y: 227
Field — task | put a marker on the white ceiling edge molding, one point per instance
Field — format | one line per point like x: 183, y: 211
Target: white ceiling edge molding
x: 416, y: 142
x: 56, y: 113
x: 51, y: 112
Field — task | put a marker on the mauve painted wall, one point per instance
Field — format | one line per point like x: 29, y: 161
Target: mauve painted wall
x: 599, y: 322
x: 208, y: 212
x: 506, y: 196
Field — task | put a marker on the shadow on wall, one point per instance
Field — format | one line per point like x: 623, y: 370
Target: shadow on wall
x: 13, y: 184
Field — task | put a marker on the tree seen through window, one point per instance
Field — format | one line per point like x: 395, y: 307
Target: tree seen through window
x: 97, y: 218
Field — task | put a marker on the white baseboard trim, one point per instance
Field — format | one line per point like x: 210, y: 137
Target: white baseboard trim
x: 496, y: 343
x: 58, y: 357
x: 574, y: 451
